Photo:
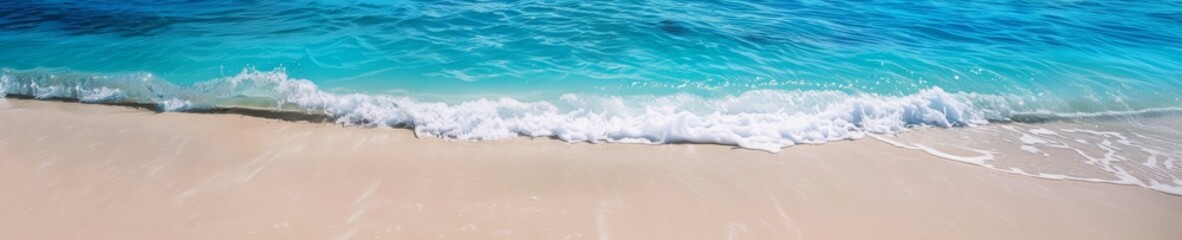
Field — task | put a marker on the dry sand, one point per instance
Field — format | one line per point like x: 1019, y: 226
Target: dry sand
x: 76, y: 171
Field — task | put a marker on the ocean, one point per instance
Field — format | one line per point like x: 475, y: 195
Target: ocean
x: 753, y: 74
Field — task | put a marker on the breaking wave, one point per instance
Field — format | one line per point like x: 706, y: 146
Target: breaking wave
x: 760, y: 119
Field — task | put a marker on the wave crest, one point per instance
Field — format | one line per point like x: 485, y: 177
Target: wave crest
x: 762, y: 119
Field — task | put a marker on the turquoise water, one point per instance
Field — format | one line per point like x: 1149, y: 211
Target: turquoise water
x: 759, y: 74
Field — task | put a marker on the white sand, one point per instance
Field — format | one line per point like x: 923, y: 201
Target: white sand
x: 75, y: 171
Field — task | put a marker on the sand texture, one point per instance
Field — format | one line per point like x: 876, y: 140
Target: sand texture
x: 78, y: 171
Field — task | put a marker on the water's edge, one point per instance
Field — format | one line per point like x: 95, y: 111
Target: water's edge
x: 285, y: 115
x: 988, y: 159
x: 762, y: 119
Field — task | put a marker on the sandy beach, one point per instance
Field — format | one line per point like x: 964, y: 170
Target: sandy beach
x: 80, y: 171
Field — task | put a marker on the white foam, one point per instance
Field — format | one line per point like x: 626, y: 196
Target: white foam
x: 93, y: 88
x: 756, y: 120
x: 1092, y: 155
x: 980, y: 160
x: 1033, y: 150
x: 1042, y: 131
x: 1030, y: 140
x: 96, y: 95
x: 4, y: 82
x: 759, y: 119
x: 762, y: 119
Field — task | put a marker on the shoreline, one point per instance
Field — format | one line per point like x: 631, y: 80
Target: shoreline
x: 110, y: 172
x: 277, y: 114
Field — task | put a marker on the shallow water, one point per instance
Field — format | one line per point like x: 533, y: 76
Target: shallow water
x: 1129, y: 150
x: 1085, y: 55
x: 757, y: 74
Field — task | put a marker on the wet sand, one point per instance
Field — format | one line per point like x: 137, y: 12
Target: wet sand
x: 77, y: 171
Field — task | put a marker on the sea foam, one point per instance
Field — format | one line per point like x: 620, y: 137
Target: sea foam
x: 768, y: 120
x: 761, y: 119
x: 764, y: 120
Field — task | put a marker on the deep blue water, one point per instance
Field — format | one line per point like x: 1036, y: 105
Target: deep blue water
x: 847, y: 65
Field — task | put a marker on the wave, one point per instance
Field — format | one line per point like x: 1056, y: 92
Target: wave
x: 760, y: 119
